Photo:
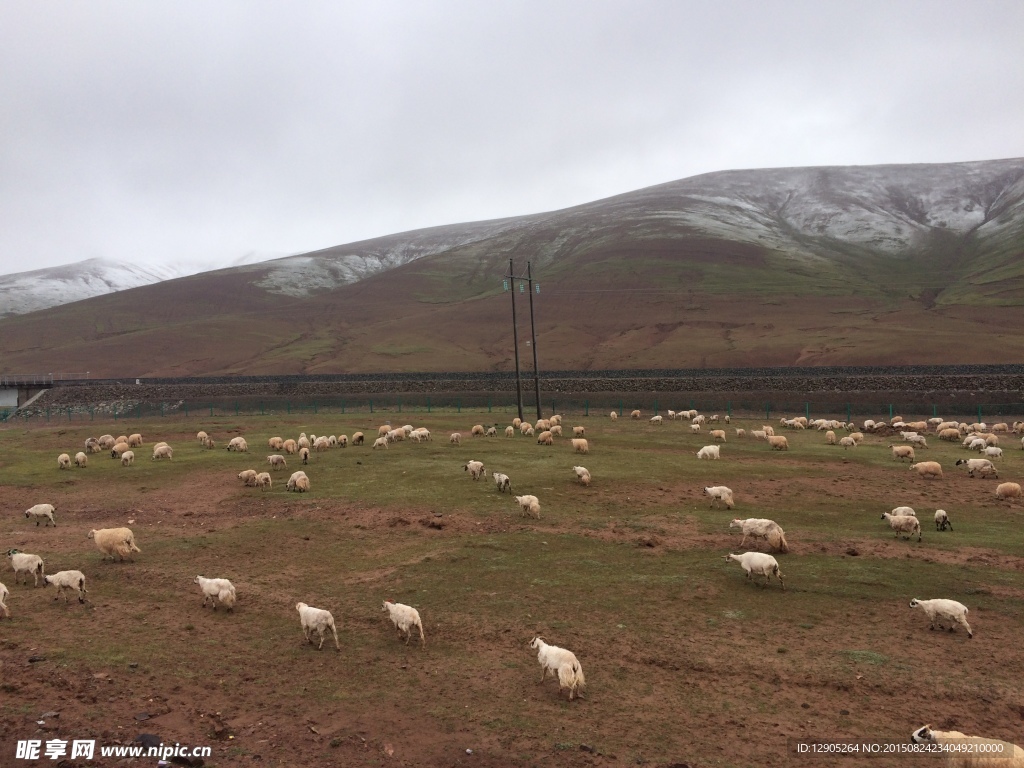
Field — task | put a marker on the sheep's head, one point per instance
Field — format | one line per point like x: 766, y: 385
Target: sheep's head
x: 914, y: 603
x: 922, y: 735
x: 12, y: 552
x: 300, y: 606
x: 196, y: 579
x: 536, y: 642
x: 736, y: 523
x: 48, y: 579
x: 91, y: 534
x: 386, y: 603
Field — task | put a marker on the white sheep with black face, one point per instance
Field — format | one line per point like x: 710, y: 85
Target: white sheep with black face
x: 941, y: 611
x: 971, y: 751
x: 70, y: 580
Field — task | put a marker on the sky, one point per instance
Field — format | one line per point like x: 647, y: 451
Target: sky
x: 202, y: 133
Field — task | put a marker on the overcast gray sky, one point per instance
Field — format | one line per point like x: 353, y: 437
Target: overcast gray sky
x: 204, y: 131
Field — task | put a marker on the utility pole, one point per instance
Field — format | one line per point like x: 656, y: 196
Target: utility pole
x: 533, y: 337
x: 511, y: 278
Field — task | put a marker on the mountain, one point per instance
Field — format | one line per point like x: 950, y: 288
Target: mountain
x: 811, y: 266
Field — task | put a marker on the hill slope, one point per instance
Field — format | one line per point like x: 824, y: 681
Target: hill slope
x: 883, y: 264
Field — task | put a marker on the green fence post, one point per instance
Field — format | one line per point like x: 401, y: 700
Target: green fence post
x: 262, y: 412
x: 186, y: 410
x: 807, y: 410
x: 69, y: 414
x: 488, y: 403
x: 655, y: 407
x: 92, y: 414
x: 620, y: 407
x: 935, y: 411
x: 459, y: 405
x: 848, y: 416
x: 586, y: 407
x: 728, y: 408
x: 428, y: 405
x: 890, y: 411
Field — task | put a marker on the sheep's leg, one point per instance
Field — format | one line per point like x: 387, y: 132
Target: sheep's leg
x: 335, y: 631
x: 744, y: 540
x: 321, y: 631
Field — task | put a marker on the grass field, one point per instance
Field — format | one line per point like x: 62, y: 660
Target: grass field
x: 686, y: 662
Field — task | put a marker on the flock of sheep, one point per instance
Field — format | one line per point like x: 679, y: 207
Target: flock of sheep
x: 559, y: 662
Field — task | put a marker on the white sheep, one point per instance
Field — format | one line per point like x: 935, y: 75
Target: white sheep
x: 358, y: 438
x: 903, y: 524
x: 529, y: 505
x: 582, y: 474
x: 939, y: 611
x: 42, y: 512
x: 902, y: 452
x: 92, y: 445
x: 971, y: 751
x: 906, y: 511
x: 656, y: 420
x: 983, y: 467
x: 918, y: 440
x: 717, y: 434
x: 380, y: 442
x: 510, y: 431
x: 993, y: 452
x: 694, y: 428
x: 264, y: 481
x: 127, y: 458
x: 4, y: 594
x: 404, y: 617
x: 113, y: 542
x: 1008, y: 491
x: 561, y: 664
x: 298, y: 482
x: 23, y: 562
x: 248, y: 476
x: 343, y: 441
x: 475, y: 468
x: 217, y: 591
x: 740, y: 432
x: 81, y: 460
x: 291, y: 447
x: 163, y: 452
x: 709, y: 452
x: 927, y: 469
x: 848, y: 442
x: 942, y: 520
x: 455, y: 439
x: 238, y: 444
x: 67, y: 580
x: 613, y: 415
x: 759, y: 563
x: 760, y: 528
x: 304, y: 455
x: 318, y: 620
x: 720, y: 493
x: 63, y: 461
x: 580, y: 445
x: 780, y: 443
x: 275, y: 443
x: 502, y: 482
x: 277, y: 461
x: 830, y: 437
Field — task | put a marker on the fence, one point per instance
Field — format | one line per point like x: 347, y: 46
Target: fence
x: 501, y: 403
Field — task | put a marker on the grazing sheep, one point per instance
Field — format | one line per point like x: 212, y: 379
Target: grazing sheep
x: 41, y: 512
x: 201, y: 436
x: 712, y: 418
x: 709, y: 452
x: 613, y: 415
x: 475, y: 468
x: 217, y: 591
x: 238, y: 444
x: 720, y: 493
x: 163, y: 452
x: 318, y: 620
x: 264, y: 481
x: 759, y: 563
x: 502, y: 482
x: 768, y: 430
x: 542, y: 425
x: 455, y: 439
x: 698, y: 419
x: 404, y: 617
x: 969, y: 751
x: 1008, y: 491
x: 556, y: 430
x: 127, y: 458
x: 904, y: 511
x: 134, y: 441
x: 291, y: 447
x: 248, y: 476
x: 517, y: 422
x: 903, y: 524
x: 656, y: 420
x: 380, y: 442
x: 545, y: 438
x: 82, y: 461
x: 275, y: 443
x: 63, y: 461
x: 694, y: 429
x: 561, y: 664
x: 992, y: 452
x: 760, y: 528
x: 529, y: 505
x: 717, y: 434
x: 23, y: 562
x: 4, y: 594
x: 491, y: 432
x: 358, y: 438
x: 582, y: 474
x: 779, y: 443
x: 67, y: 580
x: 902, y: 452
x: 983, y: 467
x: 321, y: 444
x: 303, y: 442
x: 830, y: 437
x: 927, y: 469
x: 990, y: 439
x: 634, y: 415
x: 759, y: 434
x: 580, y: 445
x: 92, y: 445
x: 298, y: 482
x: 741, y: 432
x: 382, y: 430
x: 477, y: 431
x: 949, y: 611
x: 111, y: 542
x: 949, y: 434
x: 556, y: 420
x: 304, y: 454
x: 918, y: 440
x: 510, y: 431
x: 847, y: 442
x: 277, y: 461
x: 942, y: 520
x: 528, y: 431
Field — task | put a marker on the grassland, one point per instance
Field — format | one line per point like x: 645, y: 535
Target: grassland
x: 686, y: 662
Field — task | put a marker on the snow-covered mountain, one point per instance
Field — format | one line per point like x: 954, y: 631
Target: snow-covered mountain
x: 23, y: 292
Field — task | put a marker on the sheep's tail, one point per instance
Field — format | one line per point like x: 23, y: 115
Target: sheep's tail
x: 778, y: 541
x: 578, y: 678
x: 132, y: 547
